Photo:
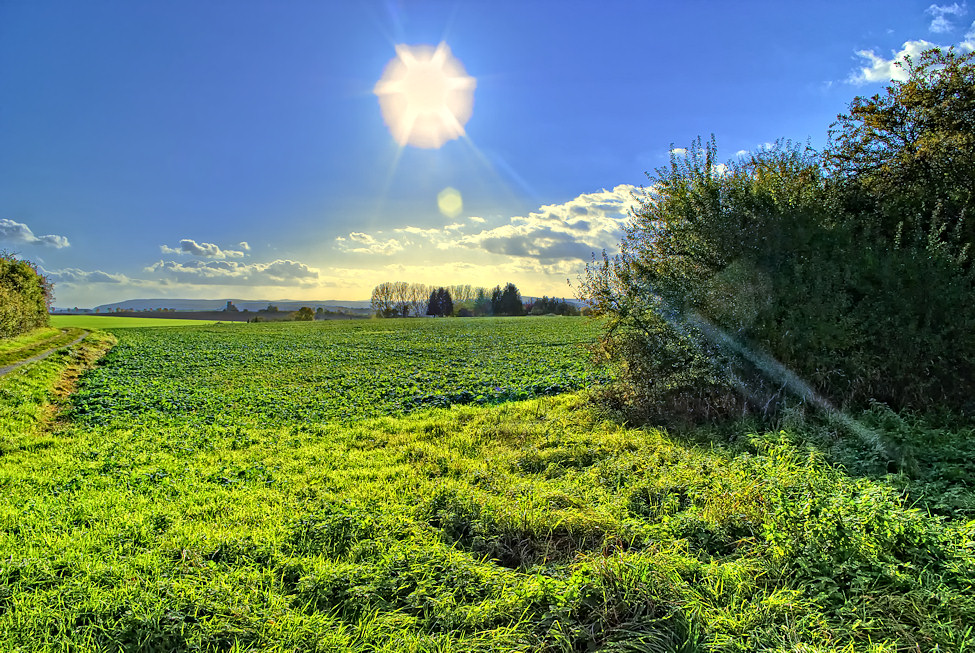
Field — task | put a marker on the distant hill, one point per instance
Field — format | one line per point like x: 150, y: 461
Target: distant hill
x: 220, y: 304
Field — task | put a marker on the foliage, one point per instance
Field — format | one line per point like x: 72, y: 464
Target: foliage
x: 401, y: 299
x: 746, y: 286
x: 25, y: 296
x: 440, y: 304
x: 304, y: 314
x: 551, y: 306
x: 906, y: 158
x: 507, y: 301
x: 526, y: 526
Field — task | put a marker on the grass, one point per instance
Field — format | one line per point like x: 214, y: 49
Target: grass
x: 108, y: 322
x: 8, y: 345
x: 35, y: 342
x: 530, y: 525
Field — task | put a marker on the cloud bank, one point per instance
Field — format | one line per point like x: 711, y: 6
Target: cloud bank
x: 76, y: 276
x: 569, y: 232
x: 18, y: 232
x: 281, y: 272
x: 573, y: 230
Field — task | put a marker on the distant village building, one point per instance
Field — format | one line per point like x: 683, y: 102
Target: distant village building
x: 230, y: 307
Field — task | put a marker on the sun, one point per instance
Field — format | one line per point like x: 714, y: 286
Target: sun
x: 425, y: 95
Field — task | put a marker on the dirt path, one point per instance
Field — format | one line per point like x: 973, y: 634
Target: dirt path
x: 44, y: 354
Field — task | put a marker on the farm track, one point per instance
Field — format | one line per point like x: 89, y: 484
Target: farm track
x: 6, y: 369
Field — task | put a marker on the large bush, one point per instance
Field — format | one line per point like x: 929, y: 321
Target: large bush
x: 25, y: 296
x: 791, y: 277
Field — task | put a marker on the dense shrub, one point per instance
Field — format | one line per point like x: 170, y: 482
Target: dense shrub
x: 741, y: 285
x: 25, y: 296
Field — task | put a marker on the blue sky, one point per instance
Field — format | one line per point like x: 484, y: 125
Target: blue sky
x: 237, y: 149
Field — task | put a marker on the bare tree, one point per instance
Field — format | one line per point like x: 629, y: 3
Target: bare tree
x: 418, y: 295
x: 383, y: 299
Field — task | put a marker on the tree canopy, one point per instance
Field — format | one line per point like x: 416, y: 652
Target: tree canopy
x: 25, y: 296
x: 792, y: 275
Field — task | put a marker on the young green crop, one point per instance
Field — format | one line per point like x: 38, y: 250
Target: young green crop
x: 300, y: 372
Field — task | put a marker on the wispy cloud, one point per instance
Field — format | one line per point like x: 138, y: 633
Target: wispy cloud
x: 969, y: 42
x: 282, y: 272
x: 362, y: 243
x: 204, y: 250
x: 940, y: 21
x: 18, y: 232
x: 75, y: 276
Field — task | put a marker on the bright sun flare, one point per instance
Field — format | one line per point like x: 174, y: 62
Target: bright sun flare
x: 425, y: 95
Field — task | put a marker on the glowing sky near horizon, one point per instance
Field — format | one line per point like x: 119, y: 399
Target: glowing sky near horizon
x: 312, y: 150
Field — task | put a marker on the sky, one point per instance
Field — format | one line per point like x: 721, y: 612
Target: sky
x: 311, y: 150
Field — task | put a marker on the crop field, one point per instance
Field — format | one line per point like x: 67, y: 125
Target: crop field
x: 248, y: 374
x: 444, y: 485
x: 109, y: 322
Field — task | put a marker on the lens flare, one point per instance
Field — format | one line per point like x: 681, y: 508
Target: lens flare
x: 450, y: 202
x: 425, y: 95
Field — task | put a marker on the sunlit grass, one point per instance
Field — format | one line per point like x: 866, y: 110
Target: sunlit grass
x: 27, y: 339
x: 532, y: 525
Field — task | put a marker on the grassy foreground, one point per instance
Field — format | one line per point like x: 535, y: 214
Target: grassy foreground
x: 533, y: 525
x: 35, y: 342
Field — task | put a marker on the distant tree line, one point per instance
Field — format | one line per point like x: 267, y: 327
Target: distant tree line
x: 402, y: 299
x: 306, y: 314
x: 25, y: 296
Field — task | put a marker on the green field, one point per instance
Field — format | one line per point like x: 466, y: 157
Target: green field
x: 387, y: 486
x: 108, y: 322
x: 308, y: 372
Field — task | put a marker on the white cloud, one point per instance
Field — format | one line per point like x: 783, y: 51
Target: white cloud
x: 18, y: 232
x: 678, y: 151
x: 416, y: 231
x: 571, y: 231
x: 361, y: 243
x: 554, y: 237
x: 741, y: 153
x: 204, y: 250
x: 474, y: 218
x: 883, y: 70
x: 276, y: 273
x: 939, y: 16
x: 244, y: 245
x: 969, y: 42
